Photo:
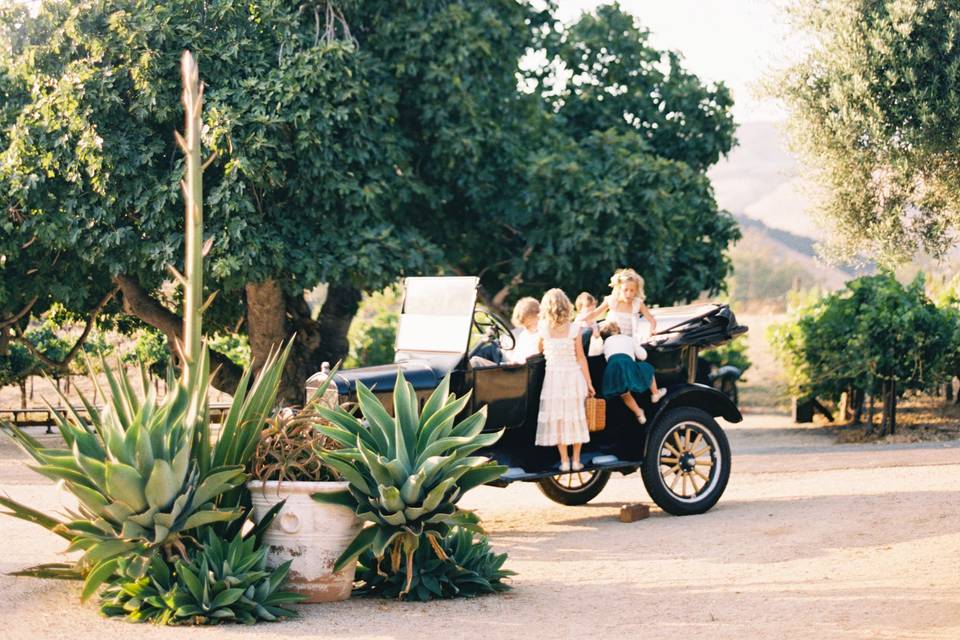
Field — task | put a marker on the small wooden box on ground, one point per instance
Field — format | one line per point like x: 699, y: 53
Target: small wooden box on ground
x: 634, y: 512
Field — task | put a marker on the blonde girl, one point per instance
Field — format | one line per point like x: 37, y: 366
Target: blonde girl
x: 625, y: 304
x: 526, y: 318
x: 562, y: 420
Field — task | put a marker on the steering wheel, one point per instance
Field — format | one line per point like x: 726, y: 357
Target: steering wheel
x: 491, y: 326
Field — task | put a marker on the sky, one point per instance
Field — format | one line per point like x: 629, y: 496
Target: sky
x: 734, y: 41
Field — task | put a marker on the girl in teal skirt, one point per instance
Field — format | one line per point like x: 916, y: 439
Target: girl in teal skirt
x: 625, y: 374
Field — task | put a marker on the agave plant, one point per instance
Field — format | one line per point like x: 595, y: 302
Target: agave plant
x: 223, y: 581
x: 407, y: 472
x: 146, y: 472
x: 470, y: 569
x: 136, y: 471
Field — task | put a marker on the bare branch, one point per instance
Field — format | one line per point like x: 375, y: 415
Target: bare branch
x: 63, y: 364
x: 14, y: 319
x: 140, y: 304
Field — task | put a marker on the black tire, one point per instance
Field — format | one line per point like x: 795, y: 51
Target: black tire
x: 688, y: 431
x: 579, y: 493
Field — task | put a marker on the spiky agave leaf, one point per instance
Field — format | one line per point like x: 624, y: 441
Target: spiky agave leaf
x: 406, y: 471
x: 222, y: 581
x: 464, y: 566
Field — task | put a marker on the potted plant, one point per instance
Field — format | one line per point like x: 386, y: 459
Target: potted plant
x: 287, y: 467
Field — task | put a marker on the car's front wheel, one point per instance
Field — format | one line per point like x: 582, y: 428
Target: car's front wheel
x: 687, y: 462
x: 571, y: 489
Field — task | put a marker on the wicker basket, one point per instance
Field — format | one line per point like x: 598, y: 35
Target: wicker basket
x: 596, y: 414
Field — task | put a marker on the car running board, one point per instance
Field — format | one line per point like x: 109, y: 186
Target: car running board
x: 597, y: 463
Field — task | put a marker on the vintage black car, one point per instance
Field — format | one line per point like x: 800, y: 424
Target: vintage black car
x: 681, y: 453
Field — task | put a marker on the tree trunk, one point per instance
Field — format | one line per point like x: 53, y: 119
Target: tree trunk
x: 948, y: 388
x: 857, y: 406
x: 870, y: 411
x: 273, y: 317
x: 266, y: 320
x: 23, y: 393
x: 884, y: 419
x: 893, y: 407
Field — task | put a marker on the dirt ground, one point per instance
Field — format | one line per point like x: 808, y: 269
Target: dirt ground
x: 811, y: 540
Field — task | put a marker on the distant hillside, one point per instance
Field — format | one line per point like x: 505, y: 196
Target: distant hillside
x: 761, y: 179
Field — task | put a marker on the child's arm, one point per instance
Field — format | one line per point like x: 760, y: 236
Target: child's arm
x: 582, y: 361
x: 649, y: 316
x: 596, y: 313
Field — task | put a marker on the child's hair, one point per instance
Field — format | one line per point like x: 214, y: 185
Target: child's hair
x: 622, y: 276
x: 555, y: 308
x: 524, y: 309
x: 609, y: 328
x: 584, y: 300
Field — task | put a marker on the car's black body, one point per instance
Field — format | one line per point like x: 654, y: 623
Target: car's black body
x: 511, y: 394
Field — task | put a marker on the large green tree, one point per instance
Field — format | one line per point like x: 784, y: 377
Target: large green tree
x: 875, y: 109
x: 349, y: 143
x: 613, y: 172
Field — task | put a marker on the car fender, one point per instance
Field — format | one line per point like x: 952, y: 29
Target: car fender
x: 702, y: 397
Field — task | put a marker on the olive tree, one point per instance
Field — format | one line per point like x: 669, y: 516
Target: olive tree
x: 874, y: 107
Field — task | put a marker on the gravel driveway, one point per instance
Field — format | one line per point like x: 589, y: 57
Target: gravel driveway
x: 811, y: 540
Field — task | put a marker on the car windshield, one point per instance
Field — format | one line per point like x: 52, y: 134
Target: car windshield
x: 437, y: 314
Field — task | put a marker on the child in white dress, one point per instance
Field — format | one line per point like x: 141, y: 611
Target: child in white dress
x: 526, y: 317
x: 562, y: 419
x: 625, y: 304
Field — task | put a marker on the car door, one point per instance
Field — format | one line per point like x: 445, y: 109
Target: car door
x: 511, y: 393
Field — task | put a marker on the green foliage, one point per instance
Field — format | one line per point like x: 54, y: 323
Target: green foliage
x: 470, y: 569
x: 407, y: 472
x: 432, y: 159
x: 603, y: 202
x: 373, y: 333
x: 16, y: 365
x: 875, y: 108
x: 150, y: 349
x: 223, y: 581
x: 874, y: 331
x: 733, y: 353
x: 606, y: 74
x: 235, y: 346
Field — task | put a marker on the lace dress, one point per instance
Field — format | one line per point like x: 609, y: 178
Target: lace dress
x: 626, y: 320
x: 562, y: 418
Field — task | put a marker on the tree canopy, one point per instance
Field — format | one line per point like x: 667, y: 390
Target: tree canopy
x: 875, y: 109
x: 349, y: 143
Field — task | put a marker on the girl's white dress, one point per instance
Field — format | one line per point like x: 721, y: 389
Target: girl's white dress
x: 562, y: 418
x: 626, y: 320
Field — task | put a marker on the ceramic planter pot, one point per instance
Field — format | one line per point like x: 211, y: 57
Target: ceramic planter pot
x: 310, y: 533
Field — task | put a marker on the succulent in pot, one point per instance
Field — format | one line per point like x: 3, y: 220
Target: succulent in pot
x: 286, y: 466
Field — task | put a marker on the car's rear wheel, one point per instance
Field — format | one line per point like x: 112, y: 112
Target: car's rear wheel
x: 579, y: 487
x: 687, y: 462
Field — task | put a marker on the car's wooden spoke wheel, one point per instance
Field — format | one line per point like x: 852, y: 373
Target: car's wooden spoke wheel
x: 688, y: 460
x: 577, y: 487
x: 575, y: 480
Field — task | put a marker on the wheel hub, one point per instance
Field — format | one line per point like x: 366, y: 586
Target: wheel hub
x: 687, y: 462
